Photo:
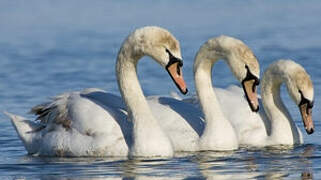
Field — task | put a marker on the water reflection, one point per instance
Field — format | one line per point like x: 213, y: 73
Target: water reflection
x: 305, y: 158
x: 226, y: 165
x: 269, y: 163
x: 306, y: 176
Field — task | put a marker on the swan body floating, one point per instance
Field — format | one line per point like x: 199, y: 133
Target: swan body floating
x: 96, y: 123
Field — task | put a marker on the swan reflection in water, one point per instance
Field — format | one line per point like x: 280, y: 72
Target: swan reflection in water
x: 269, y: 163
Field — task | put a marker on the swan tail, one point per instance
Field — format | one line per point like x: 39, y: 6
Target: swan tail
x: 27, y: 130
x: 55, y: 111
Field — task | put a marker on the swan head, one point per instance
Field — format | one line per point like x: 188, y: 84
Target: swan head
x: 300, y: 88
x: 244, y: 66
x: 163, y: 47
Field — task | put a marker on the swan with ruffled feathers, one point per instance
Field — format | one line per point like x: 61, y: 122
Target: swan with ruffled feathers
x: 85, y: 124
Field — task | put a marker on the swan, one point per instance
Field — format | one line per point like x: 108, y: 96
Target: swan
x: 94, y: 123
x: 219, y: 132
x: 273, y: 125
x: 216, y: 132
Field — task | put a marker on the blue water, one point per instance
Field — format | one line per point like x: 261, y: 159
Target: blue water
x: 49, y: 47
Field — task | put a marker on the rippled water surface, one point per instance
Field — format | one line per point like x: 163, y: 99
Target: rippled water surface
x: 49, y: 47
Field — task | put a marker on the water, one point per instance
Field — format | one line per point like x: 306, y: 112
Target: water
x: 49, y: 47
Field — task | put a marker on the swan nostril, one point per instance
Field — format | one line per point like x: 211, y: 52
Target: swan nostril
x: 178, y: 69
x: 253, y: 88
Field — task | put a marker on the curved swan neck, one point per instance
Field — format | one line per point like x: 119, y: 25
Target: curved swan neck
x: 129, y: 85
x: 218, y: 129
x: 283, y: 128
x: 204, y: 88
x: 148, y: 138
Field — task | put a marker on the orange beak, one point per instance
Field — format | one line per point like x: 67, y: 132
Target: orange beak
x: 306, y: 114
x: 175, y: 71
x: 249, y: 87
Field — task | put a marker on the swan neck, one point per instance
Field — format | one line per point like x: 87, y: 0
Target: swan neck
x: 204, y: 86
x: 217, y: 128
x: 147, y: 134
x: 130, y: 88
x: 282, y: 125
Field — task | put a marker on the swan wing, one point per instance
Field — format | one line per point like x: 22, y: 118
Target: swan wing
x: 181, y: 121
x: 77, y: 124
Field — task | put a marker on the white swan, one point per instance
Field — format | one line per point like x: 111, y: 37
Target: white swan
x: 217, y: 133
x: 274, y: 125
x: 94, y: 123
